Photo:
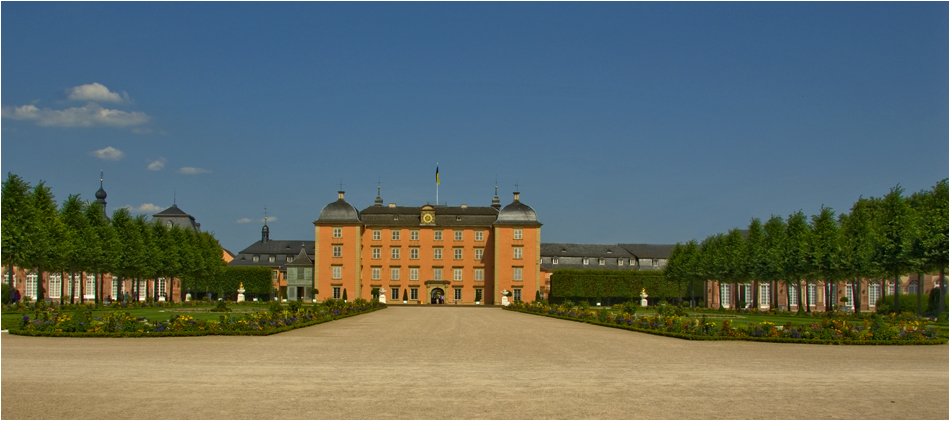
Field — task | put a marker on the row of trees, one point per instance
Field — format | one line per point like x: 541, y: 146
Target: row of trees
x: 880, y: 239
x: 78, y: 237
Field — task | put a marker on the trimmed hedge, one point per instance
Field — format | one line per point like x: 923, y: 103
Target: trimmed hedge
x: 744, y: 338
x: 256, y: 279
x: 611, y: 284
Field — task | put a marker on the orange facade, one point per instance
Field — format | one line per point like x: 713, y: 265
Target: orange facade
x: 427, y: 255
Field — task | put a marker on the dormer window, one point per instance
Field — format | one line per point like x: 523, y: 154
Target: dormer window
x: 619, y: 262
x: 256, y: 259
x: 271, y: 259
x: 554, y: 260
x: 290, y: 259
x: 458, y: 218
x: 601, y: 261
x: 586, y: 261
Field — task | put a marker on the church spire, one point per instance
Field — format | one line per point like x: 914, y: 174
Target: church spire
x: 265, y: 231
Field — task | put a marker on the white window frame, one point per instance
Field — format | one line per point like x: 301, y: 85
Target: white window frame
x: 619, y: 262
x: 395, y: 235
x: 57, y: 280
x: 457, y: 252
x: 517, y: 274
x: 413, y: 293
x: 601, y: 261
x: 585, y: 261
x: 413, y: 274
x: 456, y: 274
x: 874, y: 293
x: 812, y: 294
x: 337, y: 293
x: 90, y: 286
x: 377, y: 235
x: 458, y: 294
x: 376, y: 273
x: 518, y: 234
x: 414, y: 235
x: 458, y: 235
x: 414, y: 253
x: 554, y: 260
x: 394, y: 253
x: 162, y: 287
x: 437, y: 235
x: 479, y: 235
x: 479, y: 253
x: 765, y: 294
x: 437, y: 254
x: 394, y: 274
x: 517, y: 294
x: 395, y: 293
x: 793, y: 295
x: 32, y: 280
x: 517, y: 253
x: 479, y: 275
x: 437, y: 274
x: 114, y: 289
x: 337, y: 251
x: 725, y: 295
x: 377, y: 253
x: 337, y: 272
x: 338, y: 233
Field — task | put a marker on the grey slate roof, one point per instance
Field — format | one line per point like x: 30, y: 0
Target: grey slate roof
x: 649, y: 251
x: 280, y: 249
x: 517, y: 213
x: 409, y: 216
x: 302, y: 259
x: 571, y: 256
x: 177, y: 217
x: 583, y: 250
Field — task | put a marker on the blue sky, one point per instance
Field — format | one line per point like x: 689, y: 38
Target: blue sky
x: 620, y: 122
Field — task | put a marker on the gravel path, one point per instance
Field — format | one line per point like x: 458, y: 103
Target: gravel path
x: 450, y: 362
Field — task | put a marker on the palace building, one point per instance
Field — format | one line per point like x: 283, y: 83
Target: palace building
x: 431, y: 254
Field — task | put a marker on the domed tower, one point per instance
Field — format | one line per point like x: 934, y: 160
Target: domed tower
x: 337, y: 235
x: 518, y: 251
x: 101, y: 196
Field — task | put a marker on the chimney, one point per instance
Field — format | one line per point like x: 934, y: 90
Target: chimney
x: 392, y: 205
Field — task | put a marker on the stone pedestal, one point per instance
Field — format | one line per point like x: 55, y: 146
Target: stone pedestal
x: 240, y: 295
x: 382, y: 296
x: 188, y: 297
x: 504, y: 301
x: 643, y: 299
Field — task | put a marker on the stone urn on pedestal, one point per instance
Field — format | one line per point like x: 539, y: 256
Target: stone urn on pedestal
x: 504, y: 298
x: 240, y: 292
x: 382, y: 295
x: 643, y: 297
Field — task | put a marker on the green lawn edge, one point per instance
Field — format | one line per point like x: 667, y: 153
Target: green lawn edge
x: 183, y: 334
x: 747, y: 339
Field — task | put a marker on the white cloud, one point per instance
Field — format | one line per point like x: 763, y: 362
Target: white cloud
x: 243, y: 221
x: 89, y: 115
x: 157, y: 164
x: 145, y: 208
x: 108, y: 153
x: 95, y: 92
x: 192, y: 170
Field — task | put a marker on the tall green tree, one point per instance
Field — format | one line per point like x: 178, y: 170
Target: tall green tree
x: 148, y: 269
x: 102, y: 246
x: 931, y: 245
x: 858, y: 242
x: 46, y: 234
x: 825, y: 252
x: 76, y: 248
x: 797, y: 265
x: 735, y: 257
x: 755, y: 258
x: 712, y: 261
x: 129, y: 253
x: 898, y: 227
x: 773, y: 256
x: 16, y: 215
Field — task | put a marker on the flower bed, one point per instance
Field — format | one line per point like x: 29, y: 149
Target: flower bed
x: 828, y: 331
x: 122, y: 324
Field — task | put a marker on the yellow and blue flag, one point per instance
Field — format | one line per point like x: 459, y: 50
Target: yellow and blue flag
x: 436, y: 174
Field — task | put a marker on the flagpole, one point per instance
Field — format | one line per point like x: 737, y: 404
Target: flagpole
x: 437, y: 184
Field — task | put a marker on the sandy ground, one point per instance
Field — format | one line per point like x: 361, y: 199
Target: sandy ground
x: 441, y: 363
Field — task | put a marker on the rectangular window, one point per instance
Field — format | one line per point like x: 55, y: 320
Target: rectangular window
x: 765, y: 294
x: 115, y: 289
x: 336, y: 293
x: 437, y: 235
x: 413, y: 274
x: 812, y: 292
x: 271, y: 259
x: 725, y: 295
x: 517, y: 253
x: 849, y: 292
x: 554, y: 260
x: 874, y: 293
x: 394, y: 274
x: 395, y: 235
x: 479, y: 274
x: 376, y: 274
x: 395, y: 253
x: 619, y: 262
x: 338, y: 233
x: 479, y: 253
x: 290, y: 259
x: 479, y: 236
x: 143, y: 289
x: 458, y: 235
x: 337, y: 251
x: 586, y: 261
x: 162, y: 287
x: 601, y: 261
x: 338, y: 272
x: 395, y: 292
x: 458, y: 294
x: 414, y: 235
x: 458, y: 253
x: 55, y: 283
x: 792, y: 295
x: 517, y: 294
x: 273, y: 275
x: 516, y: 276
x: 457, y: 274
x: 31, y: 285
x: 437, y: 254
x: 478, y: 294
x: 518, y: 234
x: 413, y: 293
x: 437, y: 274
x: 377, y: 253
x: 746, y: 294
x: 91, y: 286
x: 377, y: 235
x: 414, y: 252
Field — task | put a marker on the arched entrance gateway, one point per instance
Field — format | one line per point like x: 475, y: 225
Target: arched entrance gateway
x: 437, y: 297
